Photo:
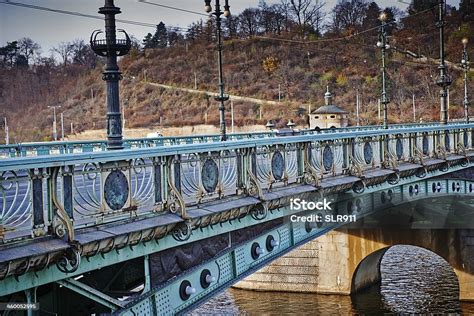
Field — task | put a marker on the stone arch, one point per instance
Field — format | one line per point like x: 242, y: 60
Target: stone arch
x: 409, y: 279
x: 368, y: 272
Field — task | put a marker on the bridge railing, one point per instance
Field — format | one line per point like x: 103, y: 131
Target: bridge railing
x: 58, y: 194
x: 70, y: 147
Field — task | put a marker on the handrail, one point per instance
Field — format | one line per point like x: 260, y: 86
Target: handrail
x: 105, y: 156
x: 66, y: 147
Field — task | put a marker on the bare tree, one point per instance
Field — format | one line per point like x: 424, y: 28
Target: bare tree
x: 308, y: 14
x: 348, y: 15
x: 249, y: 21
x: 64, y: 50
x: 28, y: 48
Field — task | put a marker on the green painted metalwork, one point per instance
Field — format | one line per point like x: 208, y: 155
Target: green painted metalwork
x: 70, y: 147
x: 171, y: 187
x: 92, y: 293
x: 368, y: 203
x: 244, y: 167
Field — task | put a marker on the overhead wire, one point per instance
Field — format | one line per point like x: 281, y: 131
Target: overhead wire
x: 172, y: 8
x: 84, y: 15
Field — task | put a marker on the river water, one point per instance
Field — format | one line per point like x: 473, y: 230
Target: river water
x: 414, y: 280
x: 242, y: 302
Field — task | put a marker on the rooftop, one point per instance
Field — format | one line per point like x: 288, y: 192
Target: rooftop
x: 329, y: 108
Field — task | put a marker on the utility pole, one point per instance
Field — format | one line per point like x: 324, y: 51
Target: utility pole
x: 7, y: 133
x: 357, y: 108
x: 55, y: 129
x: 465, y: 65
x: 62, y: 126
x: 195, y: 81
x: 414, y: 108
x: 279, y: 92
x: 232, y: 114
x: 443, y: 81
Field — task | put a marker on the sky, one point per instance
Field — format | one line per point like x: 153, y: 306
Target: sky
x: 49, y: 29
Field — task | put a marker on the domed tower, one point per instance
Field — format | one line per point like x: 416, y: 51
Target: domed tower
x: 328, y: 115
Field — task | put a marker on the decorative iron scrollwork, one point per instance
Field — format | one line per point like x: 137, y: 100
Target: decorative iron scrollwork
x: 390, y: 161
x: 444, y: 167
x: 182, y: 231
x: 259, y: 212
x: 254, y: 188
x: 61, y: 213
x: 421, y: 172
x: 176, y: 203
x: 310, y: 175
x: 70, y: 260
x: 359, y: 187
x: 441, y: 152
x: 355, y: 168
x: 418, y: 157
x: 393, y: 179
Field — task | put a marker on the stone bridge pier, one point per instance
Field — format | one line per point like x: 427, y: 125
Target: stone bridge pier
x: 328, y: 264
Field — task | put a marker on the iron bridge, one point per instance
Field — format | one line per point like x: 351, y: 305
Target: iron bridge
x: 183, y: 218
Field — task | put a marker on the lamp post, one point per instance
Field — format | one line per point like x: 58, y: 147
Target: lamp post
x: 221, y: 97
x: 382, y: 43
x: 443, y: 80
x: 465, y: 65
x: 111, y: 47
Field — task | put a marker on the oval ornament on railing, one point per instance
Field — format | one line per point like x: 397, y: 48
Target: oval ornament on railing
x: 328, y: 158
x: 278, y: 165
x: 116, y: 190
x: 210, y: 175
x: 399, y: 148
x: 368, y: 153
x: 447, y: 143
x: 425, y: 145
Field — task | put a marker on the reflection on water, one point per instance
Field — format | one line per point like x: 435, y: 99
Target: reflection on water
x: 416, y: 280
x: 242, y: 302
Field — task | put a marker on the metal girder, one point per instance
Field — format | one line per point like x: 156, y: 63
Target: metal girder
x: 369, y: 200
x: 228, y: 268
x: 92, y: 293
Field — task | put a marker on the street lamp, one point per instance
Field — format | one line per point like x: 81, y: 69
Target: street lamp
x: 382, y: 43
x: 221, y: 97
x: 465, y: 65
x: 111, y: 47
x: 443, y: 81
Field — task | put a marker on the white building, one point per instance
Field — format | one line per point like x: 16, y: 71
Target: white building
x: 328, y: 116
